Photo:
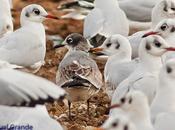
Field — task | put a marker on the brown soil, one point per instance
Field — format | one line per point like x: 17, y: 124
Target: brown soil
x: 99, y: 103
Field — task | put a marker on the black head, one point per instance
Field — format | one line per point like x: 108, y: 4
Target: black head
x: 75, y: 39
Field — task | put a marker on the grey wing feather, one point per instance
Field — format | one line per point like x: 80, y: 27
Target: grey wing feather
x: 82, y: 66
x: 18, y: 87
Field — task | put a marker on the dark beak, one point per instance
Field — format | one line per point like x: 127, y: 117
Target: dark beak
x: 59, y: 46
x: 149, y: 33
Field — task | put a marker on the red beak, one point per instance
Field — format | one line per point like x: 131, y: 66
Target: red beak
x: 114, y: 106
x: 51, y: 17
x: 170, y: 49
x: 149, y: 33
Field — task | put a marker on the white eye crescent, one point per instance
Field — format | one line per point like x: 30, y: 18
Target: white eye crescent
x: 69, y: 40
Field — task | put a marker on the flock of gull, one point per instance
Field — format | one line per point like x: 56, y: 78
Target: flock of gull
x: 139, y: 74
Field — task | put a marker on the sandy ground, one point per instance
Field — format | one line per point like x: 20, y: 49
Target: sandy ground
x: 99, y: 103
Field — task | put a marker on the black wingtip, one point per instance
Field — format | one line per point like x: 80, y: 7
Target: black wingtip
x: 40, y: 101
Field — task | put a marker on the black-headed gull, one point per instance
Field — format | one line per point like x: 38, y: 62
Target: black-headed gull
x: 166, y: 29
x: 132, y: 7
x: 76, y: 9
x: 20, y: 89
x: 27, y: 45
x: 106, y: 22
x: 6, y: 24
x: 163, y: 10
x: 158, y: 15
x: 164, y: 99
x: 78, y: 74
x: 24, y: 89
x: 31, y: 118
x: 136, y: 107
x: 119, y: 64
x: 117, y: 122
x: 145, y: 77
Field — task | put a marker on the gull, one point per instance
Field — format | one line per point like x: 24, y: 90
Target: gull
x: 21, y: 90
x: 117, y: 122
x: 163, y: 10
x: 26, y: 47
x: 77, y: 73
x: 37, y: 118
x: 119, y: 64
x: 136, y: 107
x: 6, y: 24
x: 166, y: 29
x: 77, y: 9
x: 145, y: 77
x: 132, y: 7
x: 164, y: 99
x: 106, y: 22
x: 158, y: 14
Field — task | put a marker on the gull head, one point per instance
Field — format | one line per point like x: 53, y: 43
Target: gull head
x: 132, y: 100
x: 34, y: 13
x: 169, y: 7
x: 6, y: 27
x: 117, y: 122
x: 75, y: 42
x: 155, y: 46
x: 134, y: 103
x: 165, y: 28
x: 115, y: 44
x: 167, y: 73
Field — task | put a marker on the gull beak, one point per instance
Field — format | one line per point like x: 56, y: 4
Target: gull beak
x: 63, y: 44
x: 170, y: 49
x: 59, y: 46
x: 51, y: 17
x: 96, y: 50
x: 150, y: 33
x: 115, y: 106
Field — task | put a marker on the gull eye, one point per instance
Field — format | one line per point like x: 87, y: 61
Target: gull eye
x: 108, y: 45
x: 36, y: 11
x: 157, y: 44
x: 69, y: 40
x: 148, y: 46
x: 118, y: 46
x: 164, y: 27
x: 122, y: 100
x: 125, y: 127
x: 173, y: 9
x: 169, y: 70
x: 172, y: 29
x: 8, y: 27
x: 115, y: 124
x: 130, y: 100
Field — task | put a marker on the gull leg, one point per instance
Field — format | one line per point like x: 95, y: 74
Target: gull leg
x: 88, y: 104
x: 69, y: 105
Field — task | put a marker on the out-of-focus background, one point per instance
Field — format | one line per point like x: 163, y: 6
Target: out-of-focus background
x: 61, y: 28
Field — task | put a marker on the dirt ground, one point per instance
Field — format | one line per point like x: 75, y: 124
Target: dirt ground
x: 98, y: 104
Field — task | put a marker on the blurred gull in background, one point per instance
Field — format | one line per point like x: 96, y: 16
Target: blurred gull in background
x: 6, y: 24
